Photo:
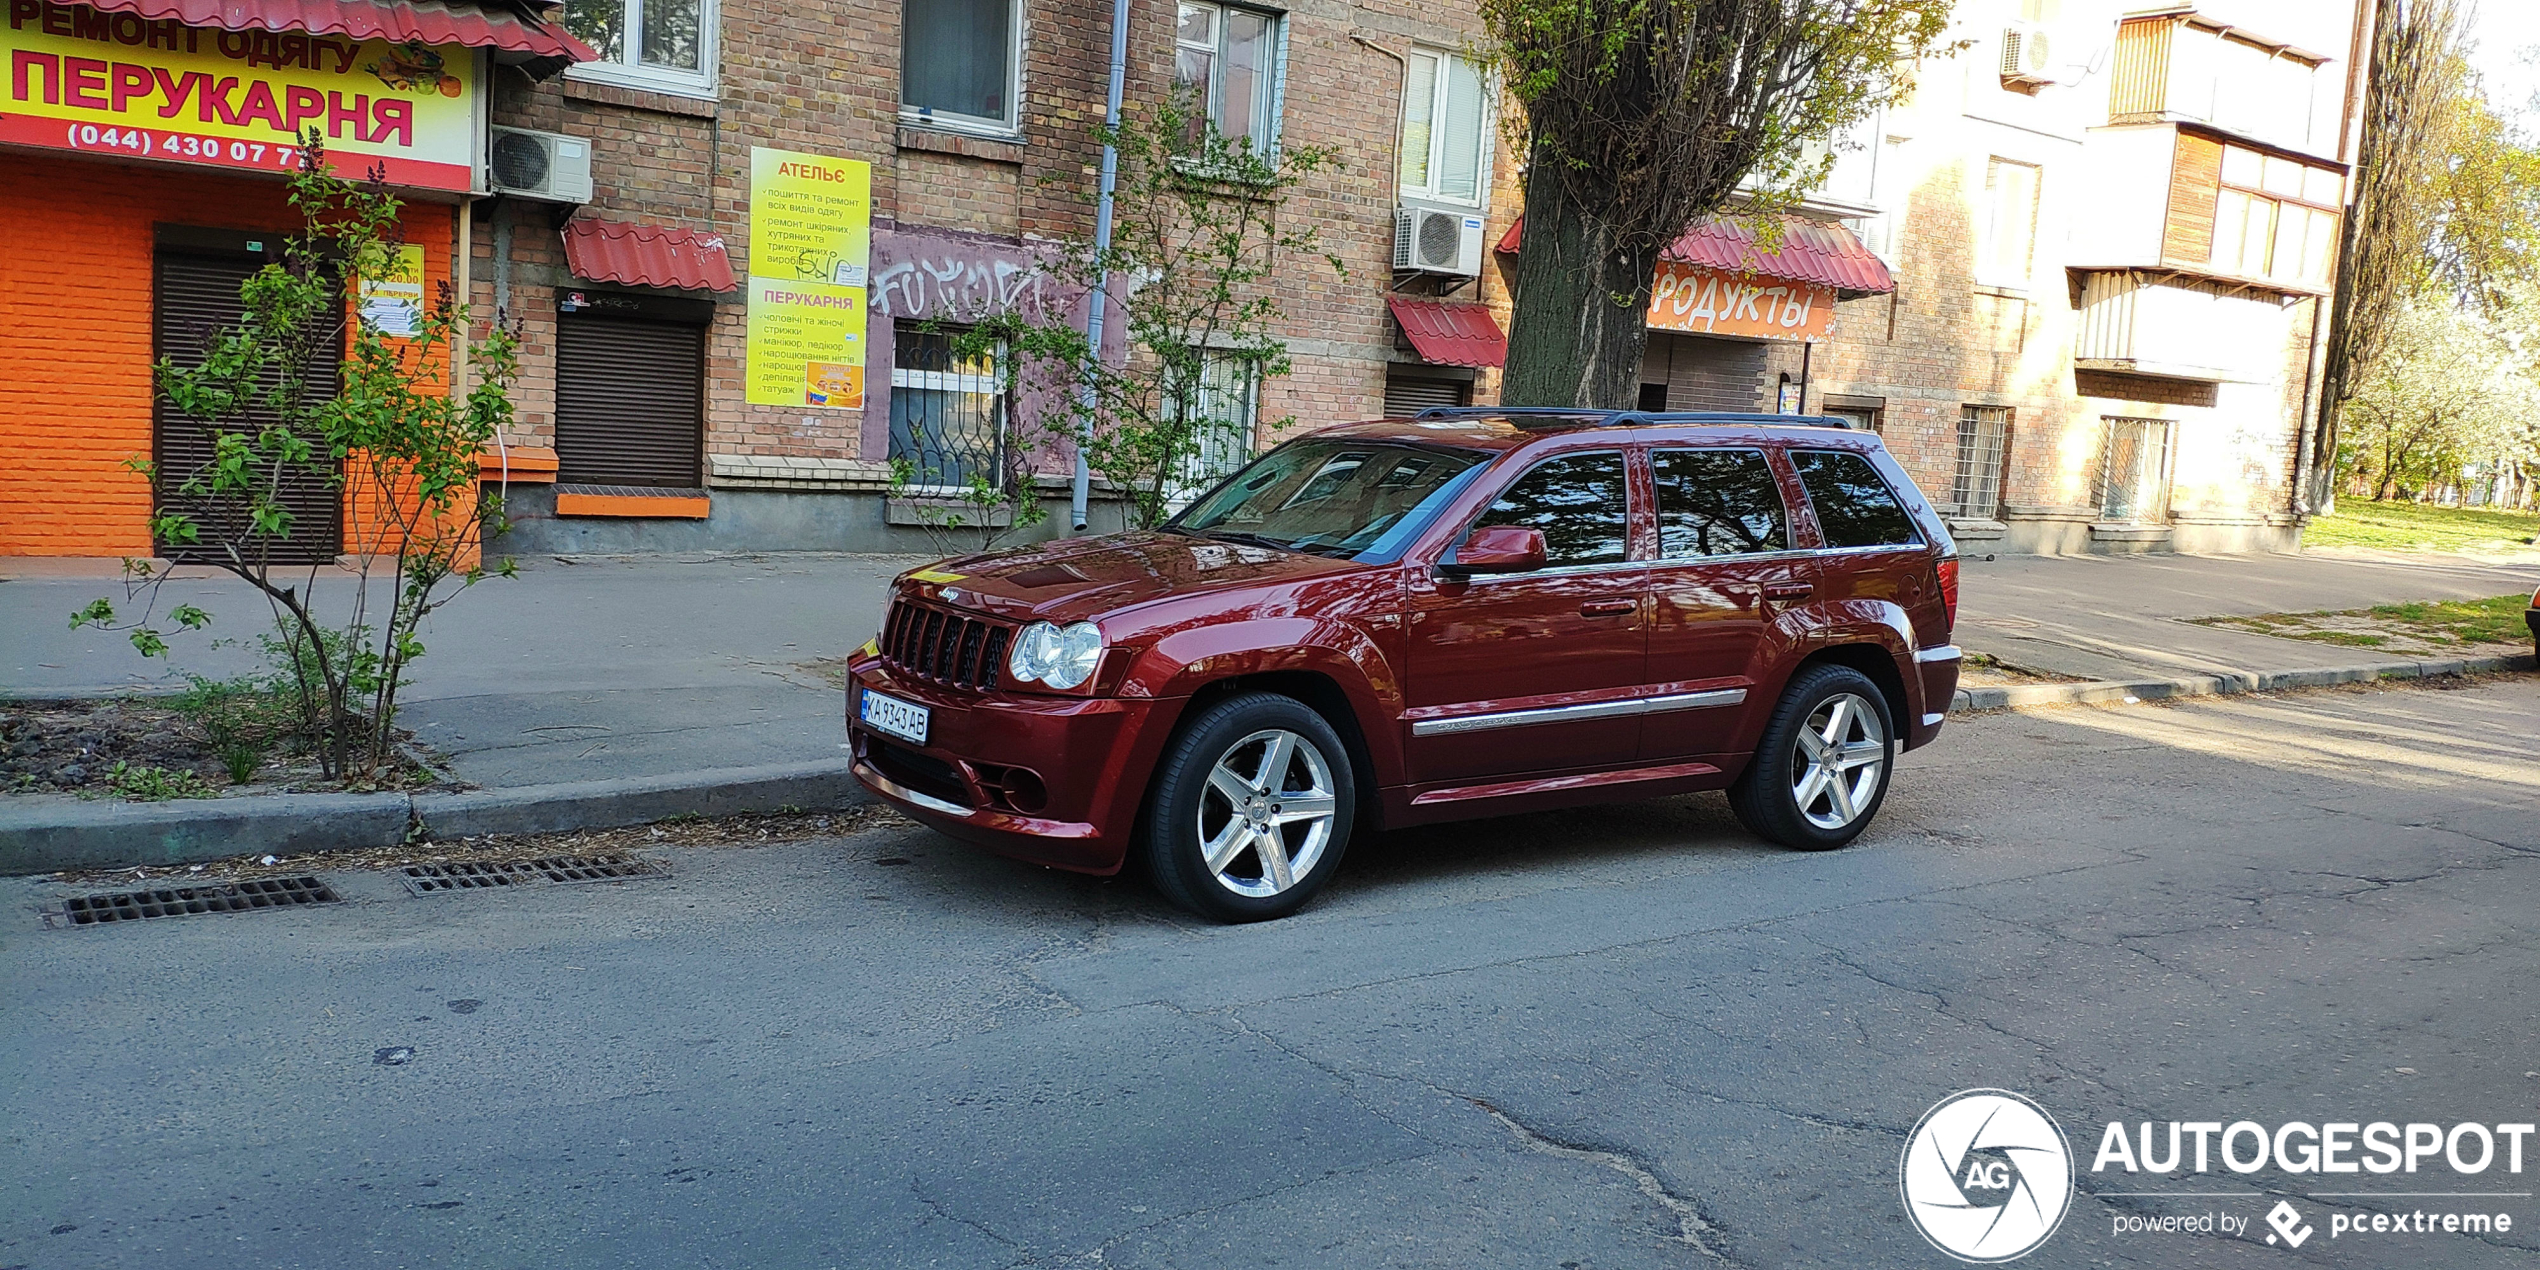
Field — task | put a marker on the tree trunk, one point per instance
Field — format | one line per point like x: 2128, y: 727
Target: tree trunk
x: 1570, y: 344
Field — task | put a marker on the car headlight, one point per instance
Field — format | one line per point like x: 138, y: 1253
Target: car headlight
x: 1061, y: 658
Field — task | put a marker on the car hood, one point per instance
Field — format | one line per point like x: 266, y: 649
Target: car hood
x: 1081, y: 579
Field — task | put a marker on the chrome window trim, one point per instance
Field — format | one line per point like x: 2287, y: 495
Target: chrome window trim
x: 1560, y: 571
x: 1577, y: 713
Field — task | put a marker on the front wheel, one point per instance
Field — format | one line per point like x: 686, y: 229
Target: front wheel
x: 1821, y: 769
x: 1252, y: 809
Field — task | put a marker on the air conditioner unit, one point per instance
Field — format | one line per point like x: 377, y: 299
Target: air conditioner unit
x: 1438, y: 240
x: 539, y: 165
x: 2025, y: 53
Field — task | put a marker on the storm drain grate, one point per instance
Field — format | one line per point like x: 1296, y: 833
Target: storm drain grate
x: 187, y: 901
x: 427, y: 879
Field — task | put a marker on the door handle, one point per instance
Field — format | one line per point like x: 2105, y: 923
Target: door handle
x: 1609, y: 608
x: 1788, y: 591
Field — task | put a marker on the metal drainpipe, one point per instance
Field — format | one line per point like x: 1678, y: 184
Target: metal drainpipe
x: 1102, y: 249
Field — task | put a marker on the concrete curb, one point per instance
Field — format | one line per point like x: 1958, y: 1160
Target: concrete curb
x: 44, y: 833
x: 41, y: 833
x: 723, y: 791
x: 2101, y: 691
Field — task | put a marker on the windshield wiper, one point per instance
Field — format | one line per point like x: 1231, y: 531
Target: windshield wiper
x: 1257, y: 540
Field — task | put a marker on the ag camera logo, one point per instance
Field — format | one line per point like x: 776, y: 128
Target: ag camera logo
x: 1986, y: 1176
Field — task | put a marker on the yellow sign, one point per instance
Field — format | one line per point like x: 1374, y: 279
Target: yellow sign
x: 393, y: 305
x: 811, y: 238
x: 124, y: 86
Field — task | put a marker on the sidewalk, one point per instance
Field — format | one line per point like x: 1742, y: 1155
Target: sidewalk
x: 653, y: 666
x: 2117, y: 618
x: 599, y: 670
x: 597, y: 692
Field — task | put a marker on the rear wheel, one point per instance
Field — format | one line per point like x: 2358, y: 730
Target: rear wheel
x: 1820, y: 771
x: 1252, y: 809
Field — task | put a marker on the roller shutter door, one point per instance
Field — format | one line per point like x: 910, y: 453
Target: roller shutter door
x: 1408, y: 395
x: 196, y: 297
x: 630, y: 401
x: 1709, y: 374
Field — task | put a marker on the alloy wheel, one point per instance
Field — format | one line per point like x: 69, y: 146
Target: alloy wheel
x: 1267, y: 814
x: 1839, y: 762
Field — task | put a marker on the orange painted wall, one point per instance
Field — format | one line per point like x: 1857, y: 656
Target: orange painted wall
x: 75, y: 322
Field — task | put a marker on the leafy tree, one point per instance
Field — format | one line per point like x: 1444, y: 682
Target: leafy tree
x: 1198, y: 263
x: 391, y: 436
x: 2413, y: 88
x: 1642, y: 117
x: 2447, y: 395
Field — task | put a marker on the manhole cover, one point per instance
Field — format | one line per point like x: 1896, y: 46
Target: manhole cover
x: 187, y: 901
x: 486, y: 875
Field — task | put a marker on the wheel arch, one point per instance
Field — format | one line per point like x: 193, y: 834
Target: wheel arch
x: 1876, y: 662
x: 1324, y: 696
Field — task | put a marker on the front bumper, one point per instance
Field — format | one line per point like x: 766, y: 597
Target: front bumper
x: 2531, y: 618
x: 1052, y: 780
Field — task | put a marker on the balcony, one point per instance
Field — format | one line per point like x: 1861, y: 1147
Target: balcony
x: 2151, y: 323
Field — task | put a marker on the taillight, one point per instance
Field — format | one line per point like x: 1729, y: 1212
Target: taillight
x: 1949, y: 590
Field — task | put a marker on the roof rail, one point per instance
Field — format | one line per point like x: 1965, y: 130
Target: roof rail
x: 1515, y: 412
x: 1630, y: 418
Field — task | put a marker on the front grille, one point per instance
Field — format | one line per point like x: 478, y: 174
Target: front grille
x: 949, y: 648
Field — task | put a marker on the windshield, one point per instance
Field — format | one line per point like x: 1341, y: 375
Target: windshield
x: 1351, y: 499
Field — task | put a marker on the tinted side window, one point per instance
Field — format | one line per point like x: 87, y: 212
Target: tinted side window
x: 1854, y: 507
x: 1577, y: 501
x: 1717, y: 503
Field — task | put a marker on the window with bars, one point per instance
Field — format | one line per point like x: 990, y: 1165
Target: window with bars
x: 948, y: 414
x: 1222, y: 414
x: 1984, y: 448
x: 2134, y: 469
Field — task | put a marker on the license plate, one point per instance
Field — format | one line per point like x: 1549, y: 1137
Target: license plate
x: 901, y: 719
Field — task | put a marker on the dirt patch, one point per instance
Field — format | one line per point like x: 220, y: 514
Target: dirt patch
x: 146, y: 750
x: 766, y: 830
x: 2450, y: 628
x: 1982, y: 670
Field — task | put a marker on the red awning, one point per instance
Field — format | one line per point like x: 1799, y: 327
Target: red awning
x: 646, y: 255
x: 1811, y: 251
x: 509, y: 27
x: 1450, y: 334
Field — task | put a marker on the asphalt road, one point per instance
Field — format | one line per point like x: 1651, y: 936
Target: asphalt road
x: 1625, y: 1037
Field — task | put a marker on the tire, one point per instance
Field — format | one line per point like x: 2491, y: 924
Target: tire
x: 1212, y: 791
x: 1838, y: 803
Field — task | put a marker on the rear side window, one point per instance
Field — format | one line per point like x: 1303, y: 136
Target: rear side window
x: 1717, y: 503
x: 1577, y: 501
x: 1855, y: 508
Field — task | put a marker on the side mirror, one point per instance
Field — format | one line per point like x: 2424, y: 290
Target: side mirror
x: 1496, y: 549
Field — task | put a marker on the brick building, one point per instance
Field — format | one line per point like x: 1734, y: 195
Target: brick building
x: 976, y: 119
x: 2075, y: 279
x: 2114, y: 234
x: 146, y: 146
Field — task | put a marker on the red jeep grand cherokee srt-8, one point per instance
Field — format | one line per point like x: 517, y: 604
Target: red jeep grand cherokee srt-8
x: 1470, y: 613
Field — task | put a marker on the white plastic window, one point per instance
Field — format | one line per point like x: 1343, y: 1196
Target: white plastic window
x: 661, y: 45
x: 1446, y: 130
